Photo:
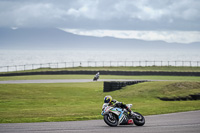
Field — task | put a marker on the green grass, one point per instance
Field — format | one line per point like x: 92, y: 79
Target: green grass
x: 36, y: 77
x: 83, y: 101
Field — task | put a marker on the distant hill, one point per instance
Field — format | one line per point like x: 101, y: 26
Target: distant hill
x: 33, y: 38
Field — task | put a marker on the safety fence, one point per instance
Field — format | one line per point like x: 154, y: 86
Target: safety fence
x: 99, y: 64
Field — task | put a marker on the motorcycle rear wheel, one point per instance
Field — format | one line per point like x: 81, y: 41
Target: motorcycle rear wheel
x: 113, y: 122
x: 138, y: 119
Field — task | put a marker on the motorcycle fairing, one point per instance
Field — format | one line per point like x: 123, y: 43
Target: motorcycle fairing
x: 118, y: 111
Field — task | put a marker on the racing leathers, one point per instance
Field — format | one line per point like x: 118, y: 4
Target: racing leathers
x: 120, y: 105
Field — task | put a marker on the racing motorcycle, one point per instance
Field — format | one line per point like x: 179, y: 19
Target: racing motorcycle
x: 114, y: 116
x: 96, y: 77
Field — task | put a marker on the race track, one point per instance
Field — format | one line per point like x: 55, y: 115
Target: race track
x: 185, y: 122
x: 58, y: 81
x: 65, y: 81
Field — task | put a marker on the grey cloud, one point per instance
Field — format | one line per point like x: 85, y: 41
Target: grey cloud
x: 102, y: 14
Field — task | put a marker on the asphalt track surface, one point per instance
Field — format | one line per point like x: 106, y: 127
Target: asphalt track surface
x: 184, y: 122
x: 58, y: 81
x: 63, y: 81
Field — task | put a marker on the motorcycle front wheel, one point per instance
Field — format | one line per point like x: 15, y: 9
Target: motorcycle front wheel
x: 138, y: 119
x: 111, y: 120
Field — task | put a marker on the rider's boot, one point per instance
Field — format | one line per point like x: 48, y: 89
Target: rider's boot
x: 131, y: 113
x: 130, y: 121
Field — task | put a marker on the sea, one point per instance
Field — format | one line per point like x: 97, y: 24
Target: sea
x: 134, y: 57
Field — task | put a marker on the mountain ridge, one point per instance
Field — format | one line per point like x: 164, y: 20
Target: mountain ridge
x: 53, y: 38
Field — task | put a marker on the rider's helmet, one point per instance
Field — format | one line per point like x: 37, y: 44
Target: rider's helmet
x: 107, y: 99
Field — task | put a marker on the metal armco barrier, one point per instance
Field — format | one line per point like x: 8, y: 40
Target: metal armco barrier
x: 117, y: 85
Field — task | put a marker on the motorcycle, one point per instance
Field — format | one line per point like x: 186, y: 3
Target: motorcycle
x: 114, y: 116
x: 95, y: 78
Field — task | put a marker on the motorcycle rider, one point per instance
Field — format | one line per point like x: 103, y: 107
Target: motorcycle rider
x: 112, y: 102
x: 97, y: 75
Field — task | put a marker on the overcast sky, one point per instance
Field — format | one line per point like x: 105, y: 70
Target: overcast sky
x: 167, y: 20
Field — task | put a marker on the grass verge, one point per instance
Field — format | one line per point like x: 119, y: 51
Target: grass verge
x: 37, y: 77
x: 83, y: 101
